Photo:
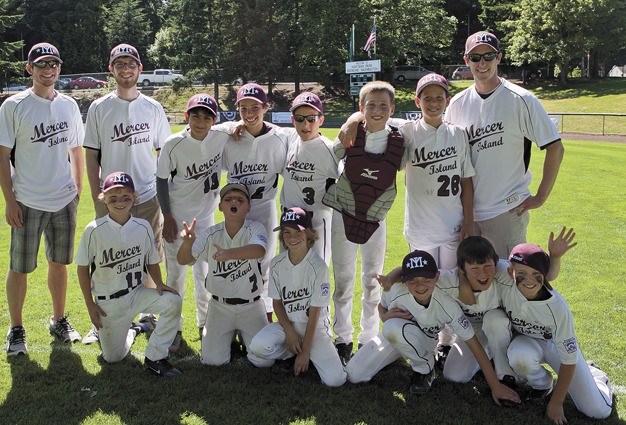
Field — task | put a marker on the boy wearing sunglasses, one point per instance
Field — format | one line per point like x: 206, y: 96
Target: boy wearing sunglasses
x: 502, y: 120
x: 310, y: 168
x: 39, y: 130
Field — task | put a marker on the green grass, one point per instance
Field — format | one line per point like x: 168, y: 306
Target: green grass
x: 62, y: 384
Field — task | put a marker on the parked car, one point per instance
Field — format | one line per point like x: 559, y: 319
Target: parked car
x: 87, y: 83
x: 462, y: 73
x: 63, y: 83
x: 158, y: 77
x: 409, y: 72
x: 14, y: 88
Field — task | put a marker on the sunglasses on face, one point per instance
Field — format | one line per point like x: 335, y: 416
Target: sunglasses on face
x: 488, y: 57
x: 122, y: 65
x: 309, y: 118
x: 53, y: 63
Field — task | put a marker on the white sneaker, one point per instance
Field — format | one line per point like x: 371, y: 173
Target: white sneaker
x: 16, y: 341
x: 91, y: 337
x: 63, y: 330
x: 149, y: 320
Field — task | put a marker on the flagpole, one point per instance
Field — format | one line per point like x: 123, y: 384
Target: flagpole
x: 376, y: 40
x: 351, y: 52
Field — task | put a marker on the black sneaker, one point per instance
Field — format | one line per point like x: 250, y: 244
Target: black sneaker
x: 63, y: 329
x: 539, y: 396
x: 345, y: 352
x: 16, y: 341
x: 421, y: 383
x: 162, y: 368
x: 284, y: 367
x: 442, y: 356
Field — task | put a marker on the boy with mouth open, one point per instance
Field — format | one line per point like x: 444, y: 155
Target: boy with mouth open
x: 233, y: 249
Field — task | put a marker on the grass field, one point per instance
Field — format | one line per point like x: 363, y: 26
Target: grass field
x: 63, y: 384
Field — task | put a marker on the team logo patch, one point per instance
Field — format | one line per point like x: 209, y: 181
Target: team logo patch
x: 464, y: 322
x: 570, y: 345
x: 325, y: 289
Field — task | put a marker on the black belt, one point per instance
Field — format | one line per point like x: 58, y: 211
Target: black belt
x: 235, y: 301
x: 115, y: 295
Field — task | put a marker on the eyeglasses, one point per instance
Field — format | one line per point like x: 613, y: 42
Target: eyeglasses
x: 53, y: 63
x: 309, y: 118
x: 122, y: 65
x: 488, y: 57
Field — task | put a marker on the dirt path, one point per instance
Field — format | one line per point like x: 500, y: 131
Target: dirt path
x: 612, y: 138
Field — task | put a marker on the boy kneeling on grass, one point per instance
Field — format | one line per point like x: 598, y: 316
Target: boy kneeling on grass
x: 413, y: 312
x: 114, y: 254
x: 544, y: 328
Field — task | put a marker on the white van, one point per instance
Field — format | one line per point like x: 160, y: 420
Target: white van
x: 409, y: 72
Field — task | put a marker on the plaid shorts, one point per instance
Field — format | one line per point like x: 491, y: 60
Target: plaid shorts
x: 58, y: 229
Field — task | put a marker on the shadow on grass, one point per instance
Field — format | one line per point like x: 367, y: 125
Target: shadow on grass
x: 238, y: 393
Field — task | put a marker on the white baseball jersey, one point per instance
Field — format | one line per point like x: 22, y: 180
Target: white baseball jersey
x: 442, y: 310
x: 234, y: 278
x: 41, y: 132
x: 438, y: 160
x: 193, y: 169
x: 257, y: 162
x: 549, y: 320
x: 300, y: 286
x: 117, y: 255
x: 126, y: 133
x: 309, y: 165
x: 500, y: 129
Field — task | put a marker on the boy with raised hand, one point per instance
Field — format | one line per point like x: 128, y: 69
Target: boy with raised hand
x: 311, y: 167
x: 188, y: 177
x: 233, y: 249
x: 114, y: 254
x: 413, y: 312
x: 544, y: 328
x: 361, y: 199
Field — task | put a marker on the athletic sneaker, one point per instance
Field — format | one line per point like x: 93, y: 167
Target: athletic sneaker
x: 162, y: 368
x: 421, y: 382
x: 510, y: 382
x: 63, y: 330
x: 149, y: 320
x: 175, y: 346
x: 92, y: 336
x: 16, y: 341
x: 345, y: 352
x: 539, y: 396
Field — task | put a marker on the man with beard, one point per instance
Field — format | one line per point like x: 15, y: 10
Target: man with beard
x: 123, y: 130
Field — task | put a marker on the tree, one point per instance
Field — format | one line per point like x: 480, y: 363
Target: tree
x: 127, y: 22
x: 561, y: 32
x: 8, y: 63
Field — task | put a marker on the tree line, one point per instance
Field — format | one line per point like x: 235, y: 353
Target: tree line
x: 306, y: 40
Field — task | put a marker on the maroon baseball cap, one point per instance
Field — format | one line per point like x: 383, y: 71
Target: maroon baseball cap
x: 307, y: 99
x: 43, y: 50
x: 430, y: 79
x: 118, y: 179
x: 251, y: 91
x: 296, y: 218
x: 123, y: 50
x: 534, y: 257
x: 418, y: 264
x: 481, y: 37
x: 202, y: 100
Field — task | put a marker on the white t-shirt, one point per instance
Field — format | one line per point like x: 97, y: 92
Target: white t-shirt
x: 257, y: 162
x: 117, y: 254
x: 501, y: 129
x: 550, y: 319
x: 41, y: 132
x: 486, y: 300
x: 442, y: 310
x: 233, y: 278
x: 438, y: 160
x: 126, y: 133
x: 193, y: 169
x: 300, y: 286
x: 309, y: 165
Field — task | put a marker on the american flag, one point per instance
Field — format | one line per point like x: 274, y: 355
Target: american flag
x: 371, y: 40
